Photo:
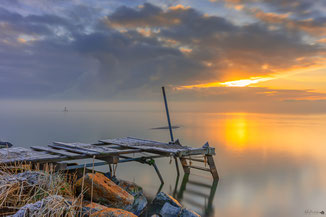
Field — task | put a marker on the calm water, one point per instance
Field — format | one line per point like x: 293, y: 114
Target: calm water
x: 269, y: 165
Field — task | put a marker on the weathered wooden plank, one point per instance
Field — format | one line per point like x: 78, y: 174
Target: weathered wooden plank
x: 152, y: 146
x: 146, y: 145
x: 151, y: 149
x: 91, y: 150
x: 197, y: 151
x: 19, y: 154
x: 142, y: 142
x: 75, y: 150
x: 79, y: 146
x: 54, y: 151
x: 99, y: 150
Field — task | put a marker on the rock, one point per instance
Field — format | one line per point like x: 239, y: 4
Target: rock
x: 160, y: 200
x: 32, y: 177
x: 105, y: 191
x: 170, y: 211
x: 53, y: 205
x: 131, y: 187
x: 94, y: 206
x: 188, y: 213
x: 112, y: 212
x: 139, y: 204
x: 140, y: 201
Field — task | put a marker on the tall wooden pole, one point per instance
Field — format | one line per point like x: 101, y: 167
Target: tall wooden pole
x: 167, y: 114
x: 170, y: 127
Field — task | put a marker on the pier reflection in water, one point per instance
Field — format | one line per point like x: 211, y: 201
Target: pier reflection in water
x: 191, y: 186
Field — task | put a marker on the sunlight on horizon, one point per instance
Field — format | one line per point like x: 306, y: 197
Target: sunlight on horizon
x: 249, y: 132
x: 235, y: 83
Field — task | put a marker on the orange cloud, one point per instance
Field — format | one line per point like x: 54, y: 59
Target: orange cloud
x: 179, y: 7
x: 21, y: 40
x: 185, y: 50
x: 270, y: 17
x: 323, y: 40
x: 306, y: 25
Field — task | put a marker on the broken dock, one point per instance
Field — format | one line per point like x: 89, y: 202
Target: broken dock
x: 111, y: 152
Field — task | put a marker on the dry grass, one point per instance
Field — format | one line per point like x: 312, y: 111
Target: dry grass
x: 53, y: 205
x: 23, y: 184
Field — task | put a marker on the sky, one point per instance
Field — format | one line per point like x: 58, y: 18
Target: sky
x: 212, y: 55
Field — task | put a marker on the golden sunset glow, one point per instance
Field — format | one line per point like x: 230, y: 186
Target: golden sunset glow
x: 244, y: 82
x: 236, y: 132
x: 243, y: 132
x: 236, y: 83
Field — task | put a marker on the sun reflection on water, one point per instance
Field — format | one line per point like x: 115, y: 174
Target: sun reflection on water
x: 236, y: 132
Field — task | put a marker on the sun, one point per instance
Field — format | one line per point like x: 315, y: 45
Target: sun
x: 236, y: 83
x: 244, y: 82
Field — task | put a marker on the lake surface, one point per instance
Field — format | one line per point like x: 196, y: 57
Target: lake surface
x: 269, y: 165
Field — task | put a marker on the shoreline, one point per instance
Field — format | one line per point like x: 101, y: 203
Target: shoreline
x: 26, y: 191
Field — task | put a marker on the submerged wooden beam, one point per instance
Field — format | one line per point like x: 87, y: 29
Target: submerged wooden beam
x: 200, y: 168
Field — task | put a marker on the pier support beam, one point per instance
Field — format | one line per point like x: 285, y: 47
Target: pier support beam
x: 185, y: 166
x: 177, y: 166
x: 211, y: 163
x: 158, y: 172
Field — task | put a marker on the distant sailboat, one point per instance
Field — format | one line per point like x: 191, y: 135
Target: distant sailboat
x: 65, y: 110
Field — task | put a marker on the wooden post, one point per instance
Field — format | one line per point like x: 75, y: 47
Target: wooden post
x: 167, y: 114
x: 185, y: 166
x: 210, y: 161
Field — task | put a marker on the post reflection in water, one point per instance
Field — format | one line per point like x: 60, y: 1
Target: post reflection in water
x: 207, y: 207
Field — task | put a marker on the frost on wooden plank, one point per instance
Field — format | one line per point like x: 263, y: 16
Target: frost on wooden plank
x: 8, y: 155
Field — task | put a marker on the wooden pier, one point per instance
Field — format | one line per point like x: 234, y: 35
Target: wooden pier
x: 112, y: 152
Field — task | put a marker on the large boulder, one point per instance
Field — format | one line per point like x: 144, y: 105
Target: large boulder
x: 165, y: 205
x: 160, y: 201
x: 139, y: 204
x: 140, y: 201
x: 169, y: 210
x: 112, y: 212
x: 105, y: 191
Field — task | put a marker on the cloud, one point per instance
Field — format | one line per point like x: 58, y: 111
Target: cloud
x: 296, y: 15
x: 214, y: 40
x: 315, y: 27
x: 132, y: 51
